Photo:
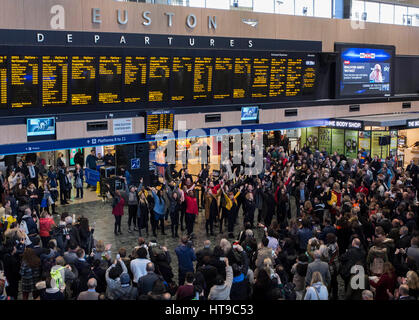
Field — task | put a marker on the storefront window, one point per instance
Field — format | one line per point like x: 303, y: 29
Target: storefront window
x: 323, y: 8
x: 414, y: 13
x: 266, y: 6
x: 218, y: 4
x: 284, y: 7
x: 386, y: 13
x: 358, y: 8
x: 400, y: 15
x: 373, y: 11
x: 304, y: 7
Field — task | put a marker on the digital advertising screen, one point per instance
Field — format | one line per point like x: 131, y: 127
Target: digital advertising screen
x: 40, y: 128
x: 364, y: 70
x: 250, y: 114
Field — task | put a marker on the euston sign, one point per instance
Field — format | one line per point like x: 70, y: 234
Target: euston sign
x: 345, y: 124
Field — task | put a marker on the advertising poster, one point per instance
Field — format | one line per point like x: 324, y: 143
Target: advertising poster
x: 351, y: 144
x: 376, y: 149
x: 325, y: 139
x: 338, y: 141
x: 312, y: 138
x: 364, y: 140
x: 303, y: 138
x: 393, y: 142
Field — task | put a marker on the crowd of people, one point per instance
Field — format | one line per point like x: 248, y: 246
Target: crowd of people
x: 310, y: 226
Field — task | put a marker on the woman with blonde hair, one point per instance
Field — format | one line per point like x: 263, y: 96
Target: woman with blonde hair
x: 317, y: 290
x: 142, y: 212
x: 412, y: 280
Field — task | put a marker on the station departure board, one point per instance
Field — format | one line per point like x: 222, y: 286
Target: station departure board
x: 135, y: 80
x: 159, y: 73
x: 223, y: 75
x: 182, y: 78
x: 3, y: 81
x: 24, y: 81
x: 159, y: 120
x: 260, y: 78
x: 202, y: 82
x: 54, y: 80
x: 83, y: 80
x: 110, y: 79
x: 242, y: 78
x: 278, y: 76
x: 179, y: 77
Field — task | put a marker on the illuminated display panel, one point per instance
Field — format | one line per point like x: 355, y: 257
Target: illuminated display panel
x: 278, y: 76
x: 135, y: 80
x: 157, y: 121
x: 110, y: 79
x: 223, y: 76
x: 182, y: 78
x: 159, y: 73
x: 260, y: 78
x: 83, y: 80
x: 202, y: 82
x: 242, y: 78
x: 54, y: 80
x: 3, y: 82
x: 24, y: 81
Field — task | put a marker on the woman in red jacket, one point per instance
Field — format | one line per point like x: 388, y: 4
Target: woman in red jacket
x: 387, y: 281
x: 191, y: 211
x: 117, y: 209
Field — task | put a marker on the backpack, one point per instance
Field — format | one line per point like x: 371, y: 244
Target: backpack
x: 288, y: 291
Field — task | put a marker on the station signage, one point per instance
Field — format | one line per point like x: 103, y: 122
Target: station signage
x: 412, y: 124
x: 345, y: 124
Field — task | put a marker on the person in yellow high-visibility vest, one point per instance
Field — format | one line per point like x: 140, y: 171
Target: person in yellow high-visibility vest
x: 229, y: 211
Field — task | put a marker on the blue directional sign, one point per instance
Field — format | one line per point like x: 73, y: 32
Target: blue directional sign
x: 135, y: 164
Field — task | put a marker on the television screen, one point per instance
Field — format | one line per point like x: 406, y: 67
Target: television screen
x: 250, y: 113
x: 40, y: 127
x: 364, y: 70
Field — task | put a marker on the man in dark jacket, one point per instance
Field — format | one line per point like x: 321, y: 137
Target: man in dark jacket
x: 240, y: 290
x: 145, y: 283
x: 186, y: 256
x: 354, y: 255
x: 209, y: 272
x: 205, y: 251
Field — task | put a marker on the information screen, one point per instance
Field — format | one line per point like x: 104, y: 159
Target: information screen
x: 187, y: 78
x: 54, y: 80
x: 260, y: 78
x: 182, y: 78
x: 83, y: 80
x: 24, y: 81
x: 110, y: 79
x: 242, y: 78
x: 278, y: 77
x: 364, y: 71
x: 223, y: 75
x: 3, y: 82
x: 135, y: 81
x: 202, y: 82
x: 159, y: 120
x: 159, y: 79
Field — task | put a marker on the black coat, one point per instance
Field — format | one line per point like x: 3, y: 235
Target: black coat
x: 240, y: 290
x: 350, y: 258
